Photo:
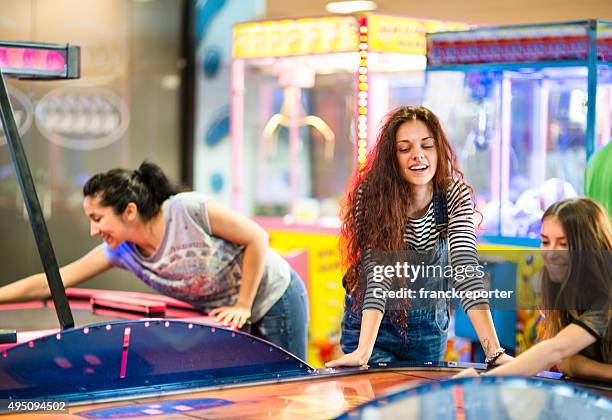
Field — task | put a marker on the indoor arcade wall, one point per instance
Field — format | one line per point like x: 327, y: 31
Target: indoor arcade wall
x: 213, y: 21
x: 123, y: 109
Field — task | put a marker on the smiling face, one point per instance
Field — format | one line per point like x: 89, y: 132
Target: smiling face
x: 555, y: 251
x: 103, y: 222
x: 416, y: 153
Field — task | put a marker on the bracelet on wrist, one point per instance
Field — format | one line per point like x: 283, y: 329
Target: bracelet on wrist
x: 491, y: 360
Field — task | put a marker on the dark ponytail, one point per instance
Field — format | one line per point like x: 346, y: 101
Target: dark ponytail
x: 147, y: 187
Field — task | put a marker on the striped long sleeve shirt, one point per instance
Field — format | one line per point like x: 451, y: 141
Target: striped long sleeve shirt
x: 421, y: 235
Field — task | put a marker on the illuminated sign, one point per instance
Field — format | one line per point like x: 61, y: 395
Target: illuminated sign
x: 39, y: 61
x: 405, y: 35
x: 515, y: 44
x: 291, y: 37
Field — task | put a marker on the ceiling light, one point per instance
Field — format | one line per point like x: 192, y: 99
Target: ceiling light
x: 350, y: 6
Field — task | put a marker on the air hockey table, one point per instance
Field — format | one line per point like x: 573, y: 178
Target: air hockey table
x: 137, y: 355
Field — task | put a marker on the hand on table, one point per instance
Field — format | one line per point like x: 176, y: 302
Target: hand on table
x: 466, y: 373
x: 356, y: 358
x: 231, y: 316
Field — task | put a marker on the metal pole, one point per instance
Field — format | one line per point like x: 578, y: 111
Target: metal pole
x: 37, y: 221
x: 591, y: 89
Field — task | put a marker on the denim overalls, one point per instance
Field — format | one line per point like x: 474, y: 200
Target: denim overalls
x: 425, y: 337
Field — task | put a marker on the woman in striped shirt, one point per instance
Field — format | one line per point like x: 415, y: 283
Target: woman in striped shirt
x: 409, y: 203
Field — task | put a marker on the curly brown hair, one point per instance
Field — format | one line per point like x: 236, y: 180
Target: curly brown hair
x: 377, y: 204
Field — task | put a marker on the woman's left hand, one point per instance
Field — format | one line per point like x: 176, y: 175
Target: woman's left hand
x: 231, y: 316
x: 503, y: 359
x: 466, y: 373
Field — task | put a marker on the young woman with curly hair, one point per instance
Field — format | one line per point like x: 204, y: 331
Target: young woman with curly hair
x: 410, y: 196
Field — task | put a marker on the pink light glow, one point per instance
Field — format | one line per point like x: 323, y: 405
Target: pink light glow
x: 543, y: 129
x: 294, y: 147
x: 124, y: 354
x: 31, y: 59
x: 506, y: 111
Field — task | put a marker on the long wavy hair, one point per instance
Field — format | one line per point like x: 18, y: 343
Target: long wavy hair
x: 588, y: 234
x: 375, y: 210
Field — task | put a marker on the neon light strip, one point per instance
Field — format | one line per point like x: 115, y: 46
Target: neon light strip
x: 362, y: 95
x: 495, y: 156
x: 542, y: 129
x: 29, y: 60
x: 124, y: 354
x: 506, y: 111
x: 32, y: 61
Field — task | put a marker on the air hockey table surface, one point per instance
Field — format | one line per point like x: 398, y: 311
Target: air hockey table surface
x: 180, y: 364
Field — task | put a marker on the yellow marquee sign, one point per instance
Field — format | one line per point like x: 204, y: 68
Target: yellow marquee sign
x: 291, y: 37
x: 397, y: 34
x: 333, y: 34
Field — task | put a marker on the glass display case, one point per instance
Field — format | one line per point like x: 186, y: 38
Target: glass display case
x: 524, y: 107
x: 307, y: 98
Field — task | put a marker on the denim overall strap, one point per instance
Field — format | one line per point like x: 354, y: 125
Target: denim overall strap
x: 441, y: 213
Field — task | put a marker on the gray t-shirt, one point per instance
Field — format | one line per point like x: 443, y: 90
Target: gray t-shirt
x: 194, y: 266
x: 596, y: 322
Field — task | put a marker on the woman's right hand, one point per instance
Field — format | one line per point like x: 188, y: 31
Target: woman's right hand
x: 370, y: 323
x: 356, y: 358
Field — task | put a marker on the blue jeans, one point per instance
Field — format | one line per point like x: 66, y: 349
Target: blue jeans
x: 424, y: 339
x: 286, y: 322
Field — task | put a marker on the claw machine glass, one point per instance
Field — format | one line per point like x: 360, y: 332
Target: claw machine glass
x: 525, y: 107
x: 307, y: 97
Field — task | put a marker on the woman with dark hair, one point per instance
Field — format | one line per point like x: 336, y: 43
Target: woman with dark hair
x: 187, y: 247
x: 410, y: 196
x: 576, y: 295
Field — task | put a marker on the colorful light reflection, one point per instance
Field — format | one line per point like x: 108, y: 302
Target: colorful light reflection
x: 32, y: 60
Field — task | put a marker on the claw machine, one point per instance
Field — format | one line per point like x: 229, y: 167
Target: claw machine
x: 307, y: 97
x: 527, y: 106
